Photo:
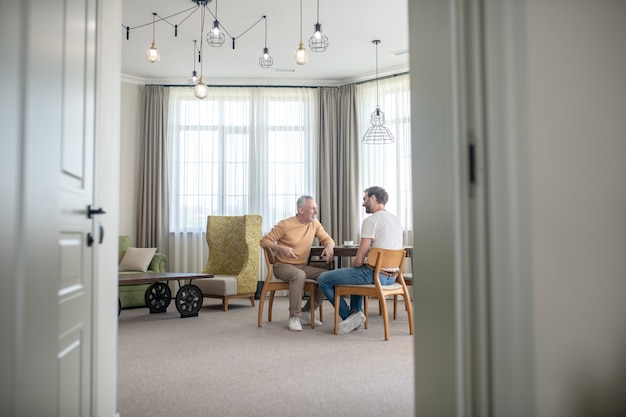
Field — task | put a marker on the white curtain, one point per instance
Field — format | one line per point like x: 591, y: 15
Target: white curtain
x: 388, y: 165
x: 239, y: 151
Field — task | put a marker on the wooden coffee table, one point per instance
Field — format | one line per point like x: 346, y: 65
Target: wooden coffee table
x: 158, y: 295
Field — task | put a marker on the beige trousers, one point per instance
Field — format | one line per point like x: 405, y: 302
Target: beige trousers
x: 295, y: 275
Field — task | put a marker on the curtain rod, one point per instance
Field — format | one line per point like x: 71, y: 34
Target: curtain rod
x: 285, y: 86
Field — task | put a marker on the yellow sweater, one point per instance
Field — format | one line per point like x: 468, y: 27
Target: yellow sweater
x: 292, y: 233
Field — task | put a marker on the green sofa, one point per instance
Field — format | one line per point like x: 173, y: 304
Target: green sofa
x: 133, y: 295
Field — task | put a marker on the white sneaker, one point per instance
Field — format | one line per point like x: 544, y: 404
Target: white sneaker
x: 353, y: 322
x: 305, y: 318
x: 294, y: 324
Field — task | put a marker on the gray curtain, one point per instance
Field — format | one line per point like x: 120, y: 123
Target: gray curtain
x: 152, y: 213
x: 338, y: 195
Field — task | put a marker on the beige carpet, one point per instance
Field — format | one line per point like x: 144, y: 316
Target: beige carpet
x: 221, y: 364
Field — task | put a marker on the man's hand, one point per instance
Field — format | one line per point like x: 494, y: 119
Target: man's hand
x: 286, y: 251
x: 329, y: 252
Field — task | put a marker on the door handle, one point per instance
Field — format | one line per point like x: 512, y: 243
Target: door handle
x: 93, y: 212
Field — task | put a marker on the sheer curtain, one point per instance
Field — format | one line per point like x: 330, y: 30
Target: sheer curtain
x: 388, y: 165
x: 239, y: 151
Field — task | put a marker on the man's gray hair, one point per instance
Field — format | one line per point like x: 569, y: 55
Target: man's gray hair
x: 302, y: 200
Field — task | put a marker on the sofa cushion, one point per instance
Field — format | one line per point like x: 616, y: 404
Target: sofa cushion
x: 219, y: 285
x: 137, y: 259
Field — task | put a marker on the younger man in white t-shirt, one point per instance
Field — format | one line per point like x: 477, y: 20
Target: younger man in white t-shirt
x: 380, y: 230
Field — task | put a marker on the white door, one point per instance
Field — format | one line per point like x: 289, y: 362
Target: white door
x: 77, y: 233
x: 49, y: 75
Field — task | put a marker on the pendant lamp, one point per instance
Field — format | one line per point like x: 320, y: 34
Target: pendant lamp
x: 153, y: 55
x: 377, y: 132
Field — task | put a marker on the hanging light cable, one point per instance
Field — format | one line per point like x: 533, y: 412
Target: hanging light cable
x: 266, y: 61
x: 318, y: 42
x: 201, y: 90
x: 216, y: 37
x: 301, y: 56
x: 377, y: 132
x: 153, y: 55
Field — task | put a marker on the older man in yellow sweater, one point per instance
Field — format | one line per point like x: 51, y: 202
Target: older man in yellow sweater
x: 291, y: 241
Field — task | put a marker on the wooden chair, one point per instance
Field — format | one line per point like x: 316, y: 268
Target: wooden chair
x: 383, y: 258
x: 273, y: 284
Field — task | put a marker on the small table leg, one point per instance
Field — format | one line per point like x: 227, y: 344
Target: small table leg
x: 158, y: 297
x: 189, y: 300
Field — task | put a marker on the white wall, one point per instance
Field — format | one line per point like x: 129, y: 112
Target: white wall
x: 556, y: 137
x: 130, y: 137
x: 577, y: 135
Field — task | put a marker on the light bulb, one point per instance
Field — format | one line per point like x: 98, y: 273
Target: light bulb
x: 266, y: 61
x: 301, y: 56
x: 153, y: 55
x: 194, y: 77
x: 201, y: 90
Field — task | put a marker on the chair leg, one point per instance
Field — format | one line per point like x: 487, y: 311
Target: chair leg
x: 252, y: 300
x: 395, y: 306
x: 337, y: 313
x: 270, y: 306
x: 321, y: 313
x: 261, y: 301
x: 312, y: 313
x: 365, y: 311
x: 385, y: 319
x: 409, y: 311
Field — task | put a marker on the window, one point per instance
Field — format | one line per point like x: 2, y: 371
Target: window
x: 239, y: 151
x: 393, y: 161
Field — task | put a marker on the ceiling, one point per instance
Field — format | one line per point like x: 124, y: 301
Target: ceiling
x: 350, y: 25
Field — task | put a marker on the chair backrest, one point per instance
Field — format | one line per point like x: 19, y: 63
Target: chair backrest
x: 234, y: 248
x: 387, y: 259
x: 269, y: 261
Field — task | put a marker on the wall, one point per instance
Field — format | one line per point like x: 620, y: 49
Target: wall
x: 577, y: 134
x: 130, y: 135
x: 556, y: 139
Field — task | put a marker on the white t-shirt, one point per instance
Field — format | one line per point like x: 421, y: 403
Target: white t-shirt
x: 384, y: 229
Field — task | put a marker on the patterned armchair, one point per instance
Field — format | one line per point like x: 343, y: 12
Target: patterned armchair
x: 234, y: 253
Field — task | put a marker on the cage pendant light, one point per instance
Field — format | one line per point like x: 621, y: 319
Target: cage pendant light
x: 377, y: 132
x: 216, y: 36
x: 318, y: 42
x: 194, y: 75
x: 266, y: 60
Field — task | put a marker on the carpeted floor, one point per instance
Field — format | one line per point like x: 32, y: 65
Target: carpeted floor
x: 221, y: 364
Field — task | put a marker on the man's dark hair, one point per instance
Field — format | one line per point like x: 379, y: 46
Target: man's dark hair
x: 379, y: 192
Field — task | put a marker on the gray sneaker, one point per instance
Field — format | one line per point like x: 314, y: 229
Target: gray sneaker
x: 353, y: 322
x: 294, y: 324
x: 306, y: 319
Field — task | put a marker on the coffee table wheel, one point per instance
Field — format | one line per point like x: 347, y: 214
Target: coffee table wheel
x: 189, y: 300
x: 158, y: 297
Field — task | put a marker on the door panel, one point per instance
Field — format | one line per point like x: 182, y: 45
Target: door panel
x: 76, y: 194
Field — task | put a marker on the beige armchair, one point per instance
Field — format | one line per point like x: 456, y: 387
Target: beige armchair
x: 234, y: 252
